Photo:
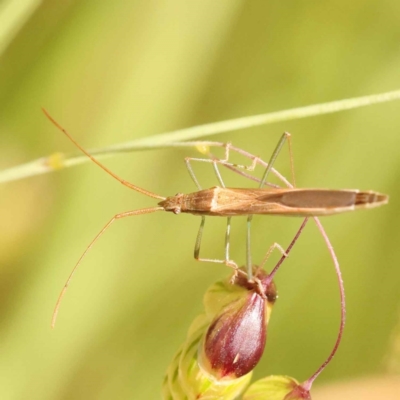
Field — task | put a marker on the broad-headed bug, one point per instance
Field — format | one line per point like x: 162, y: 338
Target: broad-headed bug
x: 228, y: 202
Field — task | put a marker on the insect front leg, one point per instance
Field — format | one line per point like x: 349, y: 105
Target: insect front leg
x: 203, y: 147
x: 215, y: 166
x: 226, y: 261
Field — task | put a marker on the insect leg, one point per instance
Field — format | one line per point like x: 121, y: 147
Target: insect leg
x: 227, y: 238
x: 203, y: 147
x: 249, y: 264
x: 227, y: 262
x: 271, y: 162
x: 228, y: 223
x: 269, y: 252
x: 216, y: 170
x: 117, y: 216
x: 228, y: 146
x: 255, y: 160
x: 198, y: 239
x: 278, y: 148
x: 191, y: 172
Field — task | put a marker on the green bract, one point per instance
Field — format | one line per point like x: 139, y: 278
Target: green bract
x: 190, y: 374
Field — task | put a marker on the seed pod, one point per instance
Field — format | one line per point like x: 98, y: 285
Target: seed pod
x: 235, y: 340
x: 224, y: 344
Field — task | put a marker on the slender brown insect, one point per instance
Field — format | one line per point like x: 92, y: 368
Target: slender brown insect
x: 229, y: 202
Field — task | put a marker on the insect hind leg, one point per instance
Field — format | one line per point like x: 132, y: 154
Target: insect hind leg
x: 278, y: 148
x: 274, y: 246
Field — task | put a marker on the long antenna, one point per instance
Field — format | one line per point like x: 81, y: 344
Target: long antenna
x: 118, y: 216
x: 124, y: 182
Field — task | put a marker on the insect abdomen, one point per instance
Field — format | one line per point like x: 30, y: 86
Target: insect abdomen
x: 371, y: 199
x: 321, y: 201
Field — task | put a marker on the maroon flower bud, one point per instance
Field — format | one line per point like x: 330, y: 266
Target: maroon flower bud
x: 235, y: 340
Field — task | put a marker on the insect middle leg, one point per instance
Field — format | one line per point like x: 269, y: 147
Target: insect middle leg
x: 227, y: 261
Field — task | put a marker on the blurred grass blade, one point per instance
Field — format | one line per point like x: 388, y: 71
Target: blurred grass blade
x: 170, y: 139
x: 13, y: 15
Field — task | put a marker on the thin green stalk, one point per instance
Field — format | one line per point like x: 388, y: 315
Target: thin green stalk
x: 170, y: 139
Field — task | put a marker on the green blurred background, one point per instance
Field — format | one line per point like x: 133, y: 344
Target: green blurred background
x: 114, y: 71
